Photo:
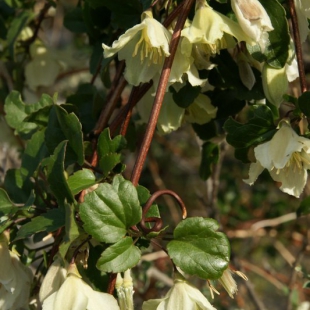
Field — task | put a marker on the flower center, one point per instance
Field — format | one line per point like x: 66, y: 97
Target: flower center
x: 297, y: 162
x: 146, y: 50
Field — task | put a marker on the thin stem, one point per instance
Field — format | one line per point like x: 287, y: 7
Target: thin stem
x: 108, y: 110
x: 298, y: 47
x: 160, y: 94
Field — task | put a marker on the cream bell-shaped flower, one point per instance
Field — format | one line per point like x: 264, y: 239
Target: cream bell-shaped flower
x: 170, y: 116
x: 287, y: 158
x: 253, y: 19
x: 201, y: 111
x: 303, y: 14
x: 54, y: 278
x: 15, y: 279
x: 209, y: 32
x: 144, y: 47
x: 182, y: 296
x: 75, y: 294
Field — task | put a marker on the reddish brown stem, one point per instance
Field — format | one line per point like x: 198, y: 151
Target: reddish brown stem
x: 108, y: 110
x: 298, y: 47
x: 112, y: 281
x: 160, y: 94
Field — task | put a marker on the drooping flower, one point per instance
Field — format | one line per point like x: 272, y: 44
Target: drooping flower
x: 229, y: 283
x: 75, y: 294
x: 275, y: 84
x: 303, y: 14
x: 201, y: 111
x: 170, y: 117
x: 181, y: 296
x: 15, y: 279
x: 287, y: 158
x: 210, y: 32
x: 144, y: 48
x: 253, y: 19
x: 124, y: 289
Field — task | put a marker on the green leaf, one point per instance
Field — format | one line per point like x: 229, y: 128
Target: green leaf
x: 304, y: 207
x: 198, y: 249
x: 72, y: 129
x: 48, y: 222
x: 17, y: 112
x: 110, y: 210
x: 74, y: 21
x: 6, y: 205
x: 108, y: 151
x: 71, y: 228
x: 64, y: 126
x: 304, y: 103
x: 186, y: 95
x: 259, y: 128
x: 80, y: 180
x: 209, y: 157
x: 119, y: 257
x: 56, y: 175
x: 277, y: 51
x: 16, y: 26
x: 34, y: 153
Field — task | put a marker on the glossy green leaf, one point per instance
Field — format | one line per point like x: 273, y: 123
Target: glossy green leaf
x: 198, y: 249
x: 80, y: 180
x: 209, y: 157
x: 56, y: 175
x: 108, y: 151
x: 119, y: 257
x: 258, y: 129
x: 110, y: 210
x: 48, y: 222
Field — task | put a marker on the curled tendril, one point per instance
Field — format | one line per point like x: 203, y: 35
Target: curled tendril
x: 157, y: 221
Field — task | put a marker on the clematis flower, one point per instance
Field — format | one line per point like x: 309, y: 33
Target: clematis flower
x: 201, y: 111
x: 124, y: 289
x: 303, y: 13
x: 54, y: 278
x: 144, y: 47
x: 229, y: 283
x: 170, y: 117
x: 210, y: 32
x: 15, y: 279
x: 287, y: 158
x: 253, y: 19
x: 181, y: 296
x: 75, y: 294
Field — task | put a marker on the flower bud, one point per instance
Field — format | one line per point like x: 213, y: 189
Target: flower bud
x: 274, y: 84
